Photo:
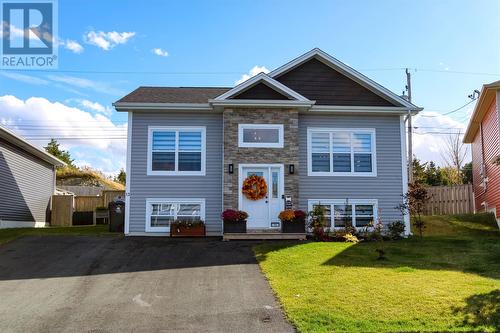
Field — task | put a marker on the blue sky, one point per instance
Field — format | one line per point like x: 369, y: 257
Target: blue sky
x: 214, y: 43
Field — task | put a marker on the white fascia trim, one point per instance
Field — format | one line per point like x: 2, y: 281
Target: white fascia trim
x: 373, y: 133
x: 203, y: 131
x: 259, y: 78
x: 150, y: 201
x: 279, y: 144
x: 343, y: 68
x: 404, y: 172
x: 128, y: 173
x: 261, y: 102
x: 123, y: 106
x: 361, y: 109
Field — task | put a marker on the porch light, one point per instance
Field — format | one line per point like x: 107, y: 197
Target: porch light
x: 291, y: 169
x: 230, y: 168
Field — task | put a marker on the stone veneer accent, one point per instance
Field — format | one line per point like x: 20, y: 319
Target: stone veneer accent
x: 235, y: 155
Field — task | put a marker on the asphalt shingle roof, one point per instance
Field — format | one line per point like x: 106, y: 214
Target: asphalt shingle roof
x: 172, y: 94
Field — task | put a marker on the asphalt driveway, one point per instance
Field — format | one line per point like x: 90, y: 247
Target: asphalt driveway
x: 115, y: 284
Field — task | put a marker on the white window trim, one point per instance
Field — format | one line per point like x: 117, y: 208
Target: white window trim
x: 151, y: 129
x: 278, y: 144
x: 151, y: 201
x: 371, y: 131
x: 332, y: 202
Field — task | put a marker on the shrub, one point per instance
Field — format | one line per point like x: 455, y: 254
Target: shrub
x: 231, y: 215
x: 317, y: 222
x: 396, y: 230
x: 350, y: 238
x: 414, y: 203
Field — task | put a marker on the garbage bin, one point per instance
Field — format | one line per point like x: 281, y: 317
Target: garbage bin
x: 116, y: 216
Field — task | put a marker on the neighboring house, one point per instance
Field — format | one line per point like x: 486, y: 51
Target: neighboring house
x: 27, y: 182
x: 318, y: 131
x: 483, y: 133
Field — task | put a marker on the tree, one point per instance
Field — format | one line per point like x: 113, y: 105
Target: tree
x: 418, y: 171
x: 467, y: 173
x: 455, y: 153
x: 433, y: 175
x: 121, y: 177
x: 64, y: 155
x: 450, y: 176
x: 414, y: 204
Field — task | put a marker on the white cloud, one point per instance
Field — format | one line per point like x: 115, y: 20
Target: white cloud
x: 107, y: 40
x: 92, y: 139
x: 24, y: 78
x: 160, y: 52
x: 79, y: 82
x: 94, y: 106
x: 429, y: 142
x: 254, y: 71
x: 72, y: 45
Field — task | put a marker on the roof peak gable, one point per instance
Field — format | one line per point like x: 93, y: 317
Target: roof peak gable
x: 345, y: 70
x: 268, y: 81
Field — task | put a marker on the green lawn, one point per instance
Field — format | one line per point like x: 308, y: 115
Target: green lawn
x: 448, y: 281
x: 7, y: 235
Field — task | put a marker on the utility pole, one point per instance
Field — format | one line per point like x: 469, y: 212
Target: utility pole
x: 410, y: 142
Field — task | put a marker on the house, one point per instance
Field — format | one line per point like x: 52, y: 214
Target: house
x: 27, y: 182
x: 317, y: 131
x: 483, y: 133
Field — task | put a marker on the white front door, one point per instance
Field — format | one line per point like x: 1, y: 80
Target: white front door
x: 263, y: 213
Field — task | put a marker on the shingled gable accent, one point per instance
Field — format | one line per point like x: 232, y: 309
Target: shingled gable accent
x: 320, y: 77
x: 261, y: 91
x: 261, y: 87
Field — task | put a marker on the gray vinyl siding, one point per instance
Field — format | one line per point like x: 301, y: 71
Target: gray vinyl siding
x: 143, y: 187
x: 27, y: 184
x: 386, y: 187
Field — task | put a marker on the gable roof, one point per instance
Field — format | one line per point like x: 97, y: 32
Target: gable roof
x: 213, y: 98
x: 347, y: 71
x: 486, y: 97
x: 268, y: 81
x: 21, y: 143
x: 172, y: 94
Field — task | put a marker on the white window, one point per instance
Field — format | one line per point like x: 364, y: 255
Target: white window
x: 176, y: 151
x: 341, y: 152
x: 341, y: 212
x: 160, y: 213
x: 260, y: 135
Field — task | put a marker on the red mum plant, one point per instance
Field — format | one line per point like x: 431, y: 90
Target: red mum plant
x: 231, y: 215
x: 300, y: 215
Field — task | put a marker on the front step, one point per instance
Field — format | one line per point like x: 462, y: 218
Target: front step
x: 263, y: 231
x: 263, y: 236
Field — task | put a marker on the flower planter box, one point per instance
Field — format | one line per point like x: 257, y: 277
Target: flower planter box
x: 197, y: 230
x: 295, y: 227
x: 239, y: 227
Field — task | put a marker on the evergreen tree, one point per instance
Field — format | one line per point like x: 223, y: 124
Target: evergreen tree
x: 121, y: 177
x: 64, y: 155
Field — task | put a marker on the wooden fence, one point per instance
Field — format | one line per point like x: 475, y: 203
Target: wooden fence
x: 65, y: 206
x: 88, y: 203
x: 455, y: 199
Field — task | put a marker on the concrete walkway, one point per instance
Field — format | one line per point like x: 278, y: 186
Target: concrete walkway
x: 115, y: 284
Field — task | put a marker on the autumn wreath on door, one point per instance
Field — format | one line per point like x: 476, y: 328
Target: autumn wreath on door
x: 254, y: 187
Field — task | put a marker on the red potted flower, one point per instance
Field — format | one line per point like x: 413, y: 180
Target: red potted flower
x: 235, y: 221
x: 182, y: 228
x: 293, y: 221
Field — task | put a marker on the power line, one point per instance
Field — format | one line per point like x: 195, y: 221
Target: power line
x: 450, y: 112
x: 75, y: 71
